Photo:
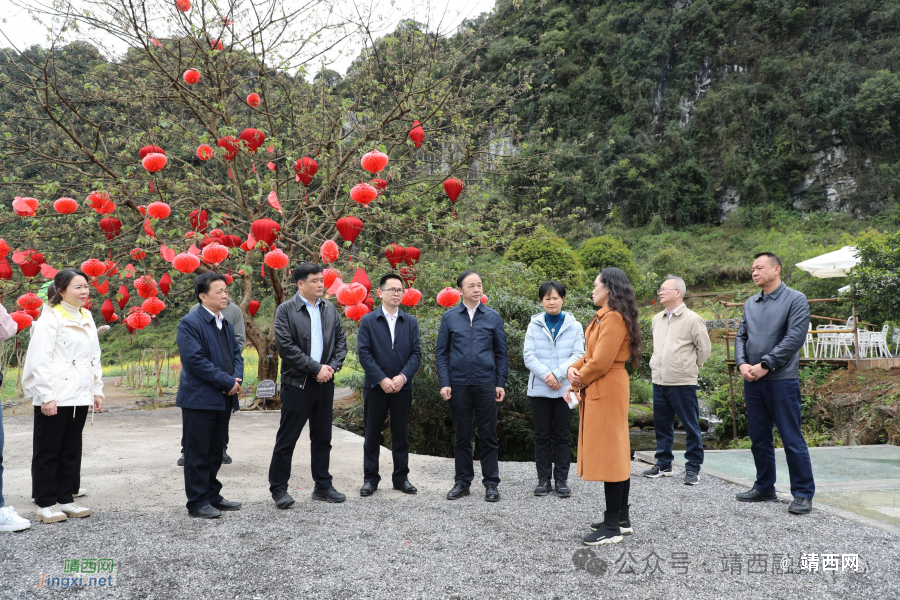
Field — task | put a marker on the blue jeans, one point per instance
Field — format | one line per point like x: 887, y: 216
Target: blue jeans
x: 778, y: 402
x: 681, y: 400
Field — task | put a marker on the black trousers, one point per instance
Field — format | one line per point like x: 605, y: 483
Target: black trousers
x: 376, y: 406
x: 477, y: 403
x: 552, y: 427
x: 204, y: 439
x: 314, y: 403
x: 56, y: 458
x: 224, y: 448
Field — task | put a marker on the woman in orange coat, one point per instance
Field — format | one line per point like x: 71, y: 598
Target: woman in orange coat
x: 604, y: 448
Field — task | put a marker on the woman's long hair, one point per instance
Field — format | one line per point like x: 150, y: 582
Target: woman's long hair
x: 60, y: 283
x: 621, y: 300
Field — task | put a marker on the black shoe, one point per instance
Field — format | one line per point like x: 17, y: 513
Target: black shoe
x: 181, y: 460
x: 226, y: 460
x: 226, y: 505
x: 562, y: 488
x: 406, y: 487
x: 459, y: 490
x: 800, y: 506
x: 207, y: 512
x: 367, y: 489
x: 754, y: 495
x: 282, y: 498
x: 625, y: 527
x: 330, y: 495
x: 543, y: 487
x: 491, y: 494
x: 608, y: 532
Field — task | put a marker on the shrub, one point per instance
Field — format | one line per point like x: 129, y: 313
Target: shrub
x: 607, y: 251
x: 641, y: 392
x: 547, y: 254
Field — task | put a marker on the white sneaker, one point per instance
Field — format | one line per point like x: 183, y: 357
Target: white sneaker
x: 73, y: 510
x: 81, y: 492
x: 11, y: 521
x: 49, y: 514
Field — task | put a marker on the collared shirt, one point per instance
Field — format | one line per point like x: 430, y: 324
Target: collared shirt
x: 670, y: 313
x: 471, y: 311
x: 316, y: 343
x: 391, y: 321
x: 773, y: 328
x: 219, y: 317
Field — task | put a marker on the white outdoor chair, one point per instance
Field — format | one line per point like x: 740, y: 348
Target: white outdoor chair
x: 879, y: 342
x: 810, y: 344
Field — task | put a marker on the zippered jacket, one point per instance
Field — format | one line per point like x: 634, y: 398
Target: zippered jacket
x: 544, y: 355
x: 471, y: 352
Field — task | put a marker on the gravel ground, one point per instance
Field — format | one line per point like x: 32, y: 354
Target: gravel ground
x: 427, y: 547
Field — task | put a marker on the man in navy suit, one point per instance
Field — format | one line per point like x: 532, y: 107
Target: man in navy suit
x: 211, y: 372
x: 389, y: 352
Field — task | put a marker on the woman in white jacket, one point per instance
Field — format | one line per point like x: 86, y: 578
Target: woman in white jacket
x: 554, y: 340
x: 63, y: 377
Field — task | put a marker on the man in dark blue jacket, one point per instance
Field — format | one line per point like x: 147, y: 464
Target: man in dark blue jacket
x: 389, y: 352
x: 472, y: 368
x: 211, y: 372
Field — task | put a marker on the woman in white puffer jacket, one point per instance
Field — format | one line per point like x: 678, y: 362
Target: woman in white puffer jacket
x: 63, y: 377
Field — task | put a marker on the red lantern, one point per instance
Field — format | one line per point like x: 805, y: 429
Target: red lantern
x: 356, y: 311
x: 395, y: 253
x: 253, y: 100
x: 129, y: 271
x: 413, y: 255
x: 374, y: 161
x: 409, y: 274
x: 231, y: 145
x: 484, y: 299
x: 23, y: 320
x: 362, y: 278
x: 253, y: 308
x: 305, y: 169
x: 199, y: 220
x: 411, y: 297
x: 65, y: 206
x: 214, y: 254
x: 379, y: 184
x: 191, y: 76
x: 154, y: 161
x: 216, y: 44
x: 100, y: 202
x: 138, y: 319
x: 266, y: 230
x: 138, y: 254
x: 159, y: 210
x: 417, y: 134
x: 25, y: 207
x: 111, y: 227
x: 149, y: 150
x: 111, y: 268
x: 277, y: 259
x: 186, y: 263
x: 231, y: 241
x: 329, y: 252
x: 108, y: 311
x: 349, y: 228
x: 5, y: 269
x: 93, y: 267
x: 153, y: 306
x: 122, y: 296
x: 448, y: 297
x: 103, y: 288
x: 29, y: 301
x: 453, y: 187
x: 330, y: 276
x: 48, y: 271
x: 216, y: 233
x: 354, y: 293
x: 165, y: 283
x: 4, y: 248
x: 146, y: 286
x: 204, y: 152
x: 252, y: 138
x: 183, y: 5
x: 29, y: 262
x: 148, y: 228
x: 363, y: 193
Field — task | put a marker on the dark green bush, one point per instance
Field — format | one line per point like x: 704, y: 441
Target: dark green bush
x: 549, y: 255
x: 607, y: 251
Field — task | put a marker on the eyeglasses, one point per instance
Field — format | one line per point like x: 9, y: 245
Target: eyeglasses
x: 392, y: 290
x: 662, y: 289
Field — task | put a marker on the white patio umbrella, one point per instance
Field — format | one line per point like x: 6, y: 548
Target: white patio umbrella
x: 834, y: 264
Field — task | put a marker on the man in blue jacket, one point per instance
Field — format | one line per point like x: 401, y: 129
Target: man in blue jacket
x: 472, y: 368
x: 211, y: 372
x: 767, y: 353
x: 389, y: 352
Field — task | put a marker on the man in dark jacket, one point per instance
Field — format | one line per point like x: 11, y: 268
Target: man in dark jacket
x: 211, y: 374
x: 472, y: 368
x: 767, y: 353
x: 311, y: 343
x: 388, y: 350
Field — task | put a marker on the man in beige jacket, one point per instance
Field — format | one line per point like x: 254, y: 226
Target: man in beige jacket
x: 680, y: 347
